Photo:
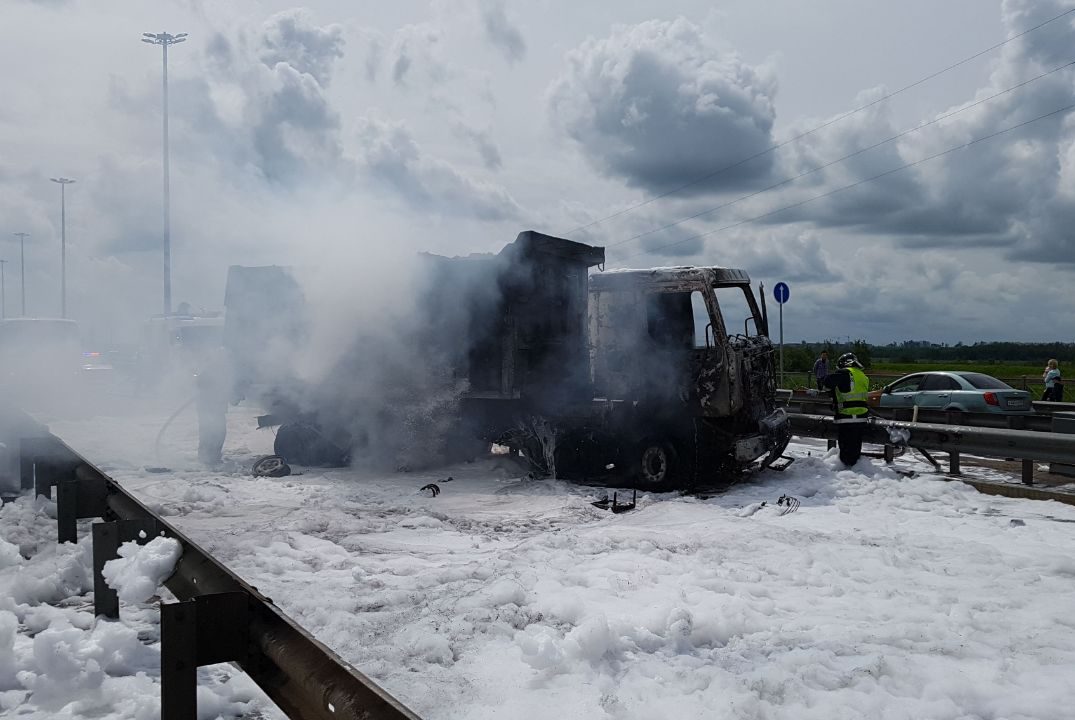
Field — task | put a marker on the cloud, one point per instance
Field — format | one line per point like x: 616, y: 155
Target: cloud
x: 658, y: 104
x: 261, y: 107
x: 483, y: 142
x: 393, y: 159
x: 1012, y: 191
x: 291, y: 37
x: 374, y: 42
x: 416, y: 46
x: 504, y: 36
x: 295, y: 129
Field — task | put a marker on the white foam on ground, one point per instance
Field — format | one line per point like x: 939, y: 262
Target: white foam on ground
x: 881, y: 596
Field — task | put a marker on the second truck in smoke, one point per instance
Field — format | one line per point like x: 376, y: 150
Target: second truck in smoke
x: 664, y: 377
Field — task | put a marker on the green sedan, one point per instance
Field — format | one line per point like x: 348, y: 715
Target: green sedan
x: 966, y: 391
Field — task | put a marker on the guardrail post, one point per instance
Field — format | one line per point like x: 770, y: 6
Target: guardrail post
x: 67, y: 510
x: 26, y: 464
x: 1028, y: 472
x: 890, y: 453
x: 830, y: 444
x: 953, y: 463
x: 207, y: 630
x: 107, y: 537
x: 44, y: 477
x: 179, y: 662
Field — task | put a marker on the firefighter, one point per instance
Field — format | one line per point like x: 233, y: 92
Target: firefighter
x: 214, y: 387
x: 849, y: 386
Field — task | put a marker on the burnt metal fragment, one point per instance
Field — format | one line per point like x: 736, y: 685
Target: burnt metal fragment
x: 616, y: 506
x: 789, y: 504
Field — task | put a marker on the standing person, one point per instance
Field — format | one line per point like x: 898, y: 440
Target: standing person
x: 214, y: 387
x: 849, y: 385
x: 1054, y: 390
x: 821, y: 369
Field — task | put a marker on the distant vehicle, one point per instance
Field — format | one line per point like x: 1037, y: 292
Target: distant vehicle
x: 39, y: 357
x: 177, y: 343
x: 965, y: 391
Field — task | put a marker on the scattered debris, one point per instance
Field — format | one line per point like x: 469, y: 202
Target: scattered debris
x: 1016, y: 522
x: 271, y: 466
x: 158, y: 470
x: 781, y: 463
x: 615, y: 506
x: 431, y: 487
x: 932, y: 460
x: 789, y: 504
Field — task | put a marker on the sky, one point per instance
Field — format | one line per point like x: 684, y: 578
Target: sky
x: 340, y: 133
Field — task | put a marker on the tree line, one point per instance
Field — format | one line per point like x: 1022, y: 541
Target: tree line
x: 801, y: 357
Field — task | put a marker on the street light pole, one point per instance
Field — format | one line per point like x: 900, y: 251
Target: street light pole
x: 164, y: 40
x: 64, y: 182
x: 22, y: 267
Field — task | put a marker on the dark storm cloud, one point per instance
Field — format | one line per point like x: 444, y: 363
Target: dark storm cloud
x: 393, y: 159
x: 658, y: 105
x: 501, y: 32
x: 291, y: 37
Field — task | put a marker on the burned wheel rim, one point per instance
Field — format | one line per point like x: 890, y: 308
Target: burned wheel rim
x: 656, y: 463
x: 271, y: 466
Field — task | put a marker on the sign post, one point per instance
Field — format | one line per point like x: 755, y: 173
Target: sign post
x: 781, y: 293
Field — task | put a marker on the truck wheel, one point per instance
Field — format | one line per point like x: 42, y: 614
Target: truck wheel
x: 304, y: 445
x: 657, y: 465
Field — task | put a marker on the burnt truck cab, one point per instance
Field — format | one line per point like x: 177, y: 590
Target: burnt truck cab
x: 664, y: 375
x: 688, y: 348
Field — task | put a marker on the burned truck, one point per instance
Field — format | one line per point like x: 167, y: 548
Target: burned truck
x: 663, y: 377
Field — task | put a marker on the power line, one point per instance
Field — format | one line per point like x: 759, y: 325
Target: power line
x: 857, y: 182
x: 822, y: 126
x: 819, y: 168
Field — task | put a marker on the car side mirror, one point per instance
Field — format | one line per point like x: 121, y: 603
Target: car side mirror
x: 887, y: 390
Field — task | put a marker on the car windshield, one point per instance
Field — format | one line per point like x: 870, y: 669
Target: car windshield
x: 735, y: 309
x: 984, y: 382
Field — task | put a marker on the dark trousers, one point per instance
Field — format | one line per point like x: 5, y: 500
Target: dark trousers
x: 849, y: 438
x: 820, y: 383
x: 212, y: 430
x: 1053, y: 394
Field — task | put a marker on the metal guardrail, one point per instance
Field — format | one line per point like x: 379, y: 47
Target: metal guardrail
x: 1028, y: 446
x: 1042, y: 445
x: 1041, y: 420
x: 220, y: 618
x: 986, y: 442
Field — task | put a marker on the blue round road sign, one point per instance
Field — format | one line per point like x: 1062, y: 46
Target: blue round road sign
x: 781, y: 292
